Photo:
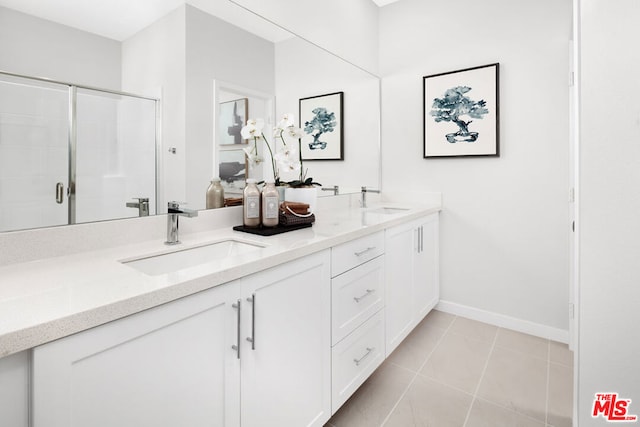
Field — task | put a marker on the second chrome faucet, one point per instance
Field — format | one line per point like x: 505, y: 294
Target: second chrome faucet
x: 174, y: 211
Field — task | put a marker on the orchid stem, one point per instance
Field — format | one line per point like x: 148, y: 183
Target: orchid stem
x: 273, y: 161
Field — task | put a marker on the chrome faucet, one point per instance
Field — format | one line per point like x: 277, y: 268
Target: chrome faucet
x: 142, y: 205
x: 174, y: 211
x: 335, y: 189
x: 363, y: 199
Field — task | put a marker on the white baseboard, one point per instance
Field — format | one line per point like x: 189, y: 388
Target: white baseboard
x: 504, y: 321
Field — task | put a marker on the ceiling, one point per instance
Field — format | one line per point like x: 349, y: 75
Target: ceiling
x: 121, y: 19
x: 381, y: 3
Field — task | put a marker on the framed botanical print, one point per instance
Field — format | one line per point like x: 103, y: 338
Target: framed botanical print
x: 321, y: 118
x: 461, y: 113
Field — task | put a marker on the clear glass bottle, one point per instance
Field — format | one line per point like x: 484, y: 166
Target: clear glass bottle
x: 215, y: 194
x: 251, y: 204
x: 269, y: 204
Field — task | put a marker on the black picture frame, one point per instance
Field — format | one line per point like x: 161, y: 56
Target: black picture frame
x: 326, y: 145
x: 446, y: 105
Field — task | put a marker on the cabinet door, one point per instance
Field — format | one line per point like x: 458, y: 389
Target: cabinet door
x: 169, y: 366
x: 286, y: 369
x: 426, y: 271
x: 400, y: 246
x: 14, y: 390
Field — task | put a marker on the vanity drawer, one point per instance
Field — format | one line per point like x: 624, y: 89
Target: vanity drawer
x: 351, y: 254
x: 355, y: 296
x: 355, y: 358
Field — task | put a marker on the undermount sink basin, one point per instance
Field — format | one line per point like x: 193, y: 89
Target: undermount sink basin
x: 190, y: 257
x: 387, y: 210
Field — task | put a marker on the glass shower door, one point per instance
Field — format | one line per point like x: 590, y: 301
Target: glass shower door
x: 115, y: 155
x: 34, y: 153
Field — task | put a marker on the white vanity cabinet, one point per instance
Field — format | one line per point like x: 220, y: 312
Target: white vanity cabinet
x: 253, y: 352
x: 411, y: 276
x: 357, y: 304
x: 171, y: 365
x: 286, y: 344
x: 14, y: 390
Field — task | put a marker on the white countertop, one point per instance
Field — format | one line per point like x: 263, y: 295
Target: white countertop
x: 46, y: 299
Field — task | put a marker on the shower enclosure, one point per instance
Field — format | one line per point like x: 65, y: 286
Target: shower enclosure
x: 72, y: 154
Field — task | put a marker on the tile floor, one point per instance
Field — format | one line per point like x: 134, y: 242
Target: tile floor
x: 455, y: 372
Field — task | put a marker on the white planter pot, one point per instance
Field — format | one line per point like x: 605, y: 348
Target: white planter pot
x: 308, y: 195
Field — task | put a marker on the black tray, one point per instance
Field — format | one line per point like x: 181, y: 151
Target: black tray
x: 271, y: 231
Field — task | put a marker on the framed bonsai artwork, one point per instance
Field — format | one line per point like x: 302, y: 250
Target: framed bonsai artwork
x: 321, y: 119
x: 461, y: 113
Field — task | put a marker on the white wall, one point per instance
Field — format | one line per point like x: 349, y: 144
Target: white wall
x: 609, y: 203
x: 37, y: 47
x: 303, y: 70
x: 154, y: 64
x: 347, y: 28
x: 505, y: 222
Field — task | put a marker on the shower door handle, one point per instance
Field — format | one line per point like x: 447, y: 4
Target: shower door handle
x: 59, y: 193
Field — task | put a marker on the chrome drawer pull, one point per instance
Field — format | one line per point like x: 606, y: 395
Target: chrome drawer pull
x: 358, y: 361
x: 369, y: 292
x: 252, y: 338
x: 237, y: 347
x: 364, y: 251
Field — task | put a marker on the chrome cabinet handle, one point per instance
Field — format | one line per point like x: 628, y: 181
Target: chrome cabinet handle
x: 358, y: 361
x: 59, y: 193
x: 252, y: 338
x: 237, y: 347
x: 369, y: 292
x: 364, y: 251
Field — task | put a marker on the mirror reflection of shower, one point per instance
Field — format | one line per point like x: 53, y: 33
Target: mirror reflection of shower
x: 70, y: 154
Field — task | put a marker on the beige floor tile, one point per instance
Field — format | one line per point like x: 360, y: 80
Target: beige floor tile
x: 428, y: 403
x: 439, y: 319
x: 415, y: 349
x: 474, y: 329
x: 458, y: 361
x: 486, y: 414
x: 373, y: 401
x: 560, y: 353
x: 516, y: 381
x: 533, y: 346
x: 560, y: 403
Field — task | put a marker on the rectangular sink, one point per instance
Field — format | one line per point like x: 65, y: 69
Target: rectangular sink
x: 387, y: 210
x: 154, y: 265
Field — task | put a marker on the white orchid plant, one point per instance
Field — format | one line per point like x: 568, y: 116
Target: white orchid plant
x: 288, y: 157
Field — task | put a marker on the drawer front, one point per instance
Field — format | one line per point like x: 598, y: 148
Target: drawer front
x: 355, y: 296
x: 351, y: 254
x: 355, y: 358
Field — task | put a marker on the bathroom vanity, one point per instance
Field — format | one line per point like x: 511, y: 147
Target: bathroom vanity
x: 274, y: 330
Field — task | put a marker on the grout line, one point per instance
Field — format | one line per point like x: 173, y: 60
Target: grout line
x: 484, y: 371
x: 404, y: 393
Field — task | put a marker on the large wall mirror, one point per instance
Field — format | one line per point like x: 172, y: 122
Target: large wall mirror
x: 197, y: 59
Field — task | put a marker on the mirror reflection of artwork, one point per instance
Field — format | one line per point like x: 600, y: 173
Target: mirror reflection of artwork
x: 232, y: 168
x: 321, y: 119
x: 232, y: 116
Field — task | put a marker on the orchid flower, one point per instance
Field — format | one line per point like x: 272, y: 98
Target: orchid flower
x: 289, y: 158
x: 253, y: 129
